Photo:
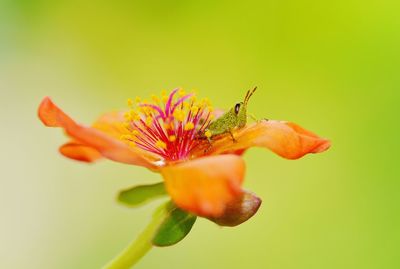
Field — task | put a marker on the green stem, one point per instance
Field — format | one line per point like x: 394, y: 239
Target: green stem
x: 139, y: 247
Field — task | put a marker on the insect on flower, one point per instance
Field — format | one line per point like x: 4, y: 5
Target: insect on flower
x: 236, y: 117
x: 162, y: 135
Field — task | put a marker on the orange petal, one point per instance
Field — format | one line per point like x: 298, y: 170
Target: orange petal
x: 284, y: 138
x: 205, y: 186
x: 111, y: 123
x: 106, y: 145
x: 80, y: 152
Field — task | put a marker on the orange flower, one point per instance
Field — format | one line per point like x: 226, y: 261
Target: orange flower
x: 162, y: 136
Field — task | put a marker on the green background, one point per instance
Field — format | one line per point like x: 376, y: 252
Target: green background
x: 330, y: 66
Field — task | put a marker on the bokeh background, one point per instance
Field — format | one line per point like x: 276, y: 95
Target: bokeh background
x: 331, y: 66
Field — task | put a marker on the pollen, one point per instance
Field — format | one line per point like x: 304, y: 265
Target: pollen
x: 181, y: 92
x: 161, y: 144
x: 132, y: 144
x: 189, y: 126
x: 129, y: 102
x: 138, y: 99
x: 179, y: 114
x: 127, y: 137
x: 194, y: 109
x: 126, y: 125
x: 127, y: 116
x: 172, y: 138
x: 205, y: 102
x: 208, y: 134
x: 149, y: 121
x: 155, y: 98
x: 134, y: 115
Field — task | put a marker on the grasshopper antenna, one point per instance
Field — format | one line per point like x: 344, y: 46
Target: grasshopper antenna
x: 249, y: 94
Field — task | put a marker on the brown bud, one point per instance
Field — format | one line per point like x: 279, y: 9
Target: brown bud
x: 239, y: 210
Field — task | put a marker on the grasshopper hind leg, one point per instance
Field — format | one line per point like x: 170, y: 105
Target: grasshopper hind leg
x: 233, y: 138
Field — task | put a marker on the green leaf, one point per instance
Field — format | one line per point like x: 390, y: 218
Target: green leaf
x: 176, y: 225
x: 142, y: 194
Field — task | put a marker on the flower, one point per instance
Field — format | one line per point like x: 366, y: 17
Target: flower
x: 163, y: 136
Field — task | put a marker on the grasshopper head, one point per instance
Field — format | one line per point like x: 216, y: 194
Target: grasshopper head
x: 240, y: 109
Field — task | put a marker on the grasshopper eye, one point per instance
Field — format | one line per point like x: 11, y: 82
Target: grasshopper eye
x: 237, y: 107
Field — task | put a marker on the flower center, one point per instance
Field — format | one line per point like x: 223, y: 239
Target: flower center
x: 167, y: 126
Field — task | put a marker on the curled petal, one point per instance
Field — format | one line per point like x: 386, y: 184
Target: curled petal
x: 286, y: 139
x: 239, y: 210
x: 205, y: 186
x: 100, y: 141
x: 80, y: 152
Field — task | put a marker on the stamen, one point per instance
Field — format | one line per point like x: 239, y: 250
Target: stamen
x: 168, y: 125
x: 194, y: 109
x: 181, y: 92
x: 132, y: 144
x: 161, y: 144
x: 189, y: 126
x: 129, y: 102
x: 179, y: 114
x: 155, y: 99
x: 149, y: 121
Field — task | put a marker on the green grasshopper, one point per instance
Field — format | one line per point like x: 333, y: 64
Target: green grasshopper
x: 235, y: 118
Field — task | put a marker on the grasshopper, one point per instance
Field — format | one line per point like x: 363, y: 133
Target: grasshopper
x: 235, y: 118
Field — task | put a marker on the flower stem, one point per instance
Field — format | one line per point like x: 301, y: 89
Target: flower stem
x: 139, y: 247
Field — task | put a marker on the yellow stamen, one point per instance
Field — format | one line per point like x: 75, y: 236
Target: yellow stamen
x: 161, y: 144
x: 155, y: 99
x: 189, y: 126
x: 208, y: 134
x: 181, y: 92
x: 149, y: 121
x: 172, y: 138
x: 132, y: 144
x: 135, y: 132
x: 179, y: 114
x: 126, y: 137
x: 137, y: 99
x: 134, y: 115
x: 127, y: 116
x: 129, y: 102
x: 210, y: 108
x: 194, y: 109
x: 205, y: 101
x: 126, y: 125
x: 146, y: 110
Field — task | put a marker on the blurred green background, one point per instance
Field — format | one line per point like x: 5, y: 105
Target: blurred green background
x: 332, y: 67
